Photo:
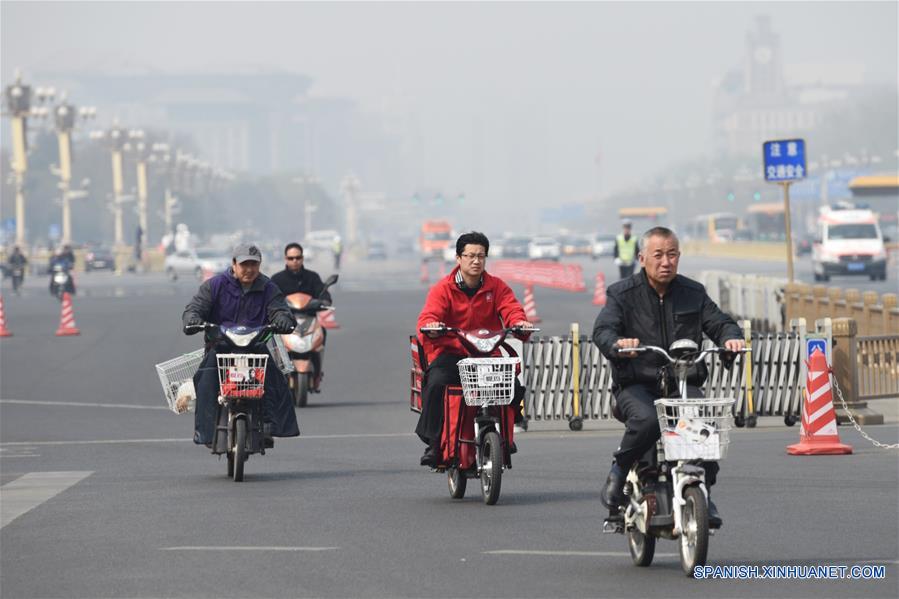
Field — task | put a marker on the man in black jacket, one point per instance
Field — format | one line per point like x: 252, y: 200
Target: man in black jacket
x: 296, y: 279
x: 654, y: 307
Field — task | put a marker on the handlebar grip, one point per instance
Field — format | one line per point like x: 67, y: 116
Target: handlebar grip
x: 193, y: 329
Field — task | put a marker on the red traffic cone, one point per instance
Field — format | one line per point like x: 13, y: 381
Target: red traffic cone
x: 599, y: 292
x: 327, y: 320
x: 424, y: 272
x: 67, y: 318
x: 4, y: 332
x: 818, y: 433
x: 530, y: 306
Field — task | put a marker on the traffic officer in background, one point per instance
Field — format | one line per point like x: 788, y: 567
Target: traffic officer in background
x: 626, y: 251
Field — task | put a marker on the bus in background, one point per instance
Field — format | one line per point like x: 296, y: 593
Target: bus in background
x: 719, y: 227
x: 766, y: 221
x: 434, y: 238
x: 880, y: 193
x: 644, y: 218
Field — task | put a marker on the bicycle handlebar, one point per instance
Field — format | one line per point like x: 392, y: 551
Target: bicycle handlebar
x: 692, y: 356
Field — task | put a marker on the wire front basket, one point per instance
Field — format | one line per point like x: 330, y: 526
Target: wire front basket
x: 488, y: 381
x: 695, y: 429
x: 242, y: 376
x: 276, y: 348
x: 176, y: 376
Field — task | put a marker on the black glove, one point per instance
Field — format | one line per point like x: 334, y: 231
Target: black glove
x: 284, y: 323
x: 192, y: 321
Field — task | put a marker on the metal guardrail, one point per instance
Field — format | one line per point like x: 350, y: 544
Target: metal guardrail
x: 878, y: 366
x: 777, y: 378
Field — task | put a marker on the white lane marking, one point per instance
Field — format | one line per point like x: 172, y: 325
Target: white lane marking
x: 569, y: 553
x: 116, y: 441
x: 213, y: 548
x: 76, y: 404
x: 29, y: 491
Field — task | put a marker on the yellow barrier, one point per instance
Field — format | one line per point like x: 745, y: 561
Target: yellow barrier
x: 745, y: 250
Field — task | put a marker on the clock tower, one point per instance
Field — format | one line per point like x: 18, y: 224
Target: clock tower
x: 764, y: 69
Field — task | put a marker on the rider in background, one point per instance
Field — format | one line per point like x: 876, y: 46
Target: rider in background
x: 241, y: 296
x: 626, y: 251
x: 655, y: 307
x: 295, y: 278
x: 467, y: 298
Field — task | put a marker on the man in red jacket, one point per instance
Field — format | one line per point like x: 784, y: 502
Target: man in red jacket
x: 468, y: 298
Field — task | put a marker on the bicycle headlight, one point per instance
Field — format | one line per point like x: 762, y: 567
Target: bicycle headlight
x: 241, y: 340
x: 298, y: 343
x: 484, y: 345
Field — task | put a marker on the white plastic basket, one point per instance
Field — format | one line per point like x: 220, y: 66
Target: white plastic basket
x: 242, y: 376
x: 176, y: 376
x: 695, y: 429
x: 276, y: 348
x: 488, y: 381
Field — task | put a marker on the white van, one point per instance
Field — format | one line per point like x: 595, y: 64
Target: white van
x: 848, y: 242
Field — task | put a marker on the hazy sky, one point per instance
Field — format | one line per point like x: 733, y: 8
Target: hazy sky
x: 536, y: 89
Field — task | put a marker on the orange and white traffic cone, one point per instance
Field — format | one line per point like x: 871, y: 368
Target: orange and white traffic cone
x: 530, y: 306
x: 327, y: 320
x: 424, y: 272
x: 4, y: 332
x: 67, y: 318
x: 818, y: 434
x: 599, y: 292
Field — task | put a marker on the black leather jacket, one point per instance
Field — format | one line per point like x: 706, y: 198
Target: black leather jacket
x: 634, y: 310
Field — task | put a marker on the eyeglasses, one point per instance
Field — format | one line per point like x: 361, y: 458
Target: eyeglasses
x: 473, y: 257
x: 293, y: 257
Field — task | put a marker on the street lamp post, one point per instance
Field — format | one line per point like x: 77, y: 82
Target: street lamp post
x: 65, y: 115
x: 141, y: 153
x: 18, y: 102
x: 308, y: 206
x: 116, y: 138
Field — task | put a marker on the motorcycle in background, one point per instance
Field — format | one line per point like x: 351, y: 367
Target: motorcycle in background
x: 61, y: 281
x: 306, y: 345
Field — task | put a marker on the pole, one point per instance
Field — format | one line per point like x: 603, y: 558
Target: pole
x: 167, y: 211
x: 65, y: 179
x: 117, y: 187
x: 142, y: 196
x: 19, y: 165
x: 789, y: 232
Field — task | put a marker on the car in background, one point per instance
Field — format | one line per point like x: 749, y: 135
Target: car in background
x: 405, y: 245
x: 576, y: 245
x: 516, y: 247
x: 195, y: 263
x: 603, y: 245
x: 376, y: 250
x: 99, y: 258
x: 317, y: 243
x: 544, y: 248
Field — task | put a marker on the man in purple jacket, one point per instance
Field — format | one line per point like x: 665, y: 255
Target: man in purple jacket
x: 241, y: 296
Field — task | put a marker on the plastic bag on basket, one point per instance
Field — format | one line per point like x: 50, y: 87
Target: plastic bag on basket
x: 185, y: 397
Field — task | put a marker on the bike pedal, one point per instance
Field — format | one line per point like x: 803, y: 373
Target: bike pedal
x: 612, y: 527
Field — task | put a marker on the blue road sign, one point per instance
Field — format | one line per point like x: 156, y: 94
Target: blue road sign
x: 784, y: 160
x: 813, y: 344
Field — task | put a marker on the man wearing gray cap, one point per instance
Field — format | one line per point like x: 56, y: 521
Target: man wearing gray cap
x: 241, y: 296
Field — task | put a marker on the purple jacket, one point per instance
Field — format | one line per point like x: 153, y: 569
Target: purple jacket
x: 221, y: 300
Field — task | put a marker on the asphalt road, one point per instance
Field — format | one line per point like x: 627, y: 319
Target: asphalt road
x: 344, y: 510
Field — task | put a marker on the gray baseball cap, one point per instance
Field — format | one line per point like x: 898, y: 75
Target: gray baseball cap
x: 246, y: 251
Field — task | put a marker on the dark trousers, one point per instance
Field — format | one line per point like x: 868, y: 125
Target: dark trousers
x: 626, y: 270
x: 277, y: 404
x: 443, y: 371
x: 635, y: 403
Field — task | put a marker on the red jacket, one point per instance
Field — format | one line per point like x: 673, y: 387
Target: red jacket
x: 492, y: 307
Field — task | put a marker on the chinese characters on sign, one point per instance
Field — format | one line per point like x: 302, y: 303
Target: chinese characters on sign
x: 784, y: 160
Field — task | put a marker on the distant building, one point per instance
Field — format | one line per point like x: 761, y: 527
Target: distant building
x: 765, y: 98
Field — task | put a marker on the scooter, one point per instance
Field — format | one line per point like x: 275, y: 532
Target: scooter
x: 61, y: 281
x: 240, y: 429
x: 665, y: 491
x: 306, y: 345
x: 478, y: 419
x: 17, y: 274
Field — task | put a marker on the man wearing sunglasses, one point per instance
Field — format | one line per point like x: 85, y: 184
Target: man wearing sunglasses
x: 297, y: 279
x: 467, y: 298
